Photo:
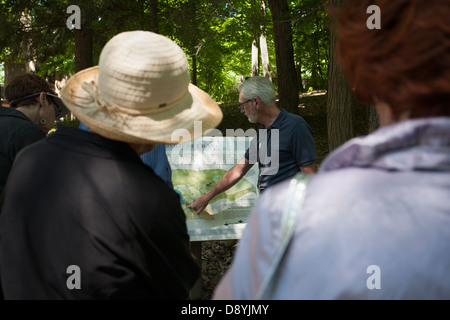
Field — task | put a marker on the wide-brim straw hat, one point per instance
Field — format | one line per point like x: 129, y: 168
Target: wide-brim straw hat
x: 141, y: 93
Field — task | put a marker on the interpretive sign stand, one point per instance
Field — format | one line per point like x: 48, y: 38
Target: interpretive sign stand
x: 196, y: 167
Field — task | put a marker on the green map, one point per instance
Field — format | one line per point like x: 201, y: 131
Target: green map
x: 196, y: 167
x: 192, y: 184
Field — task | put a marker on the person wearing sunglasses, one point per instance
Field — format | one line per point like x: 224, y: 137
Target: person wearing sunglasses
x: 33, y: 109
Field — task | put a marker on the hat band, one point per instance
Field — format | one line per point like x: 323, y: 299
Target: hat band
x: 11, y: 103
x: 92, y: 89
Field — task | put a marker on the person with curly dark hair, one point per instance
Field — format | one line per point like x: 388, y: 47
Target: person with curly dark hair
x: 33, y: 108
x: 374, y: 223
x: 110, y: 228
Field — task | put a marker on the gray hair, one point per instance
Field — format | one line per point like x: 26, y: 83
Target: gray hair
x: 260, y: 87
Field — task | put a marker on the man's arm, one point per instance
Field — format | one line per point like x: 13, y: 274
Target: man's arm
x: 228, y: 180
x: 309, y: 169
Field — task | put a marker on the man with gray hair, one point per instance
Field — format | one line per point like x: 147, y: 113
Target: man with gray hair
x: 283, y: 145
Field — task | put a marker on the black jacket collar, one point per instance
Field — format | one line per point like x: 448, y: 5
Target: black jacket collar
x: 10, y: 112
x: 91, y: 143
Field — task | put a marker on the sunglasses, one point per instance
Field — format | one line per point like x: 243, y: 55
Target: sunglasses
x: 57, y: 102
x: 241, y: 105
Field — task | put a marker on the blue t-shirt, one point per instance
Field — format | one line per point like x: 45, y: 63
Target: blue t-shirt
x: 282, y: 149
x: 158, y: 161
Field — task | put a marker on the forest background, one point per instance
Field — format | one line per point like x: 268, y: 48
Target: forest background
x: 291, y: 42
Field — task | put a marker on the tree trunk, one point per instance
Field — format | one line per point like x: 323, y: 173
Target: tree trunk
x: 288, y: 88
x: 373, y: 119
x: 27, y: 44
x: 83, y: 47
x: 298, y: 69
x: 84, y: 39
x: 195, y: 42
x: 264, y: 56
x: 255, y: 58
x: 13, y: 70
x: 263, y: 44
x: 194, y: 70
x: 340, y: 100
x: 154, y: 24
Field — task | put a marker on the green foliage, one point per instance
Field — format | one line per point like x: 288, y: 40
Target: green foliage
x: 2, y: 73
x: 311, y: 41
x: 216, y: 35
x: 70, y: 123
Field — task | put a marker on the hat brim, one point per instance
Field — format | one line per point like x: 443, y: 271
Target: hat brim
x: 62, y: 107
x: 186, y: 121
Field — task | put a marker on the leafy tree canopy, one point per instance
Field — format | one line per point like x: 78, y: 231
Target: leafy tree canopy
x: 216, y: 36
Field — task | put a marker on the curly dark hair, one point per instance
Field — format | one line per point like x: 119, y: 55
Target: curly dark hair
x: 24, y: 85
x: 406, y: 63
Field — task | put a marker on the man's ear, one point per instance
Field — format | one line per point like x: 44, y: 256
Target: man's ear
x: 42, y: 100
x: 257, y: 103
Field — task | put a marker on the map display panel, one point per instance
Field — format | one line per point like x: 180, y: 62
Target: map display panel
x: 196, y: 167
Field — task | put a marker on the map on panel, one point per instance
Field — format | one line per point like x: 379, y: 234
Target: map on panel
x: 196, y: 168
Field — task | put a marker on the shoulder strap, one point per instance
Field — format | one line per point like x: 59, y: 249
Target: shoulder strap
x: 294, y: 201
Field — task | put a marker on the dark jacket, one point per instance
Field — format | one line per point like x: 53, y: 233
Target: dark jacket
x: 78, y: 200
x: 16, y: 132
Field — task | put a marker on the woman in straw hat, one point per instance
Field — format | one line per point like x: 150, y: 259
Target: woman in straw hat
x: 33, y: 109
x: 98, y: 223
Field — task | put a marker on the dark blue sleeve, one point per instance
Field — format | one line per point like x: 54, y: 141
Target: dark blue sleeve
x: 303, y: 145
